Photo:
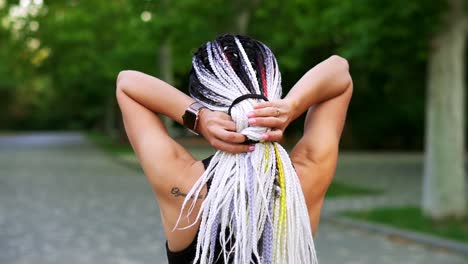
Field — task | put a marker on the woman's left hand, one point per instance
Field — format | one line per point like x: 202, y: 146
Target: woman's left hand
x: 220, y: 131
x: 276, y: 115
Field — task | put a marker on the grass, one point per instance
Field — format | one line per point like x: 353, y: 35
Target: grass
x: 339, y: 189
x: 413, y: 219
x: 109, y: 144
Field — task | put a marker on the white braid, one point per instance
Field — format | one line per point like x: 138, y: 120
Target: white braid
x: 244, y: 200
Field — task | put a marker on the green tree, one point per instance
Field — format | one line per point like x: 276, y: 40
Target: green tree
x: 386, y: 43
x: 17, y: 84
x: 87, y: 49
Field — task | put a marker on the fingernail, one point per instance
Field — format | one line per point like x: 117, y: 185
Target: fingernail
x: 250, y: 114
x: 265, y: 136
x: 252, y: 147
x: 251, y: 120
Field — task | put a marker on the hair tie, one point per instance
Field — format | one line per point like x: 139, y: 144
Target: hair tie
x: 243, y: 97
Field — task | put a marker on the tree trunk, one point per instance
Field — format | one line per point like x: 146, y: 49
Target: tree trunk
x: 444, y: 173
x: 166, y: 74
x: 110, y: 122
x: 242, y: 21
x: 243, y: 17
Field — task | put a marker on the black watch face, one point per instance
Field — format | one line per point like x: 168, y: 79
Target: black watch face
x: 189, y: 120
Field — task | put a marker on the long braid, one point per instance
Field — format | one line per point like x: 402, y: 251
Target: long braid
x: 255, y: 199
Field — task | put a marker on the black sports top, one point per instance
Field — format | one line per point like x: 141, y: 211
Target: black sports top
x: 187, y: 255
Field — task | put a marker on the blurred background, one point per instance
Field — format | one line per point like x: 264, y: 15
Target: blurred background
x: 71, y: 190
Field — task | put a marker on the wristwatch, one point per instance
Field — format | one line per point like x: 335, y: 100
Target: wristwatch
x: 190, y: 118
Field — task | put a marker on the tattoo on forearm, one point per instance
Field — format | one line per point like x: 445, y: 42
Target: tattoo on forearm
x: 176, y: 192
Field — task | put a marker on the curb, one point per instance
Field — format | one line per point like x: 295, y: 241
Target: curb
x: 424, y: 239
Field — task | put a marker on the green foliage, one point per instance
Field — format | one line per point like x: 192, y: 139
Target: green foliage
x: 69, y: 80
x: 388, y: 55
x: 412, y: 218
x: 14, y: 70
x: 86, y: 53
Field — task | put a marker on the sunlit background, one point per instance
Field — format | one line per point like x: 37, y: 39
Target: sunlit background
x: 71, y: 190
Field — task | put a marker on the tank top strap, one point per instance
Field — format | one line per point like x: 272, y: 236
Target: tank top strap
x: 206, y: 161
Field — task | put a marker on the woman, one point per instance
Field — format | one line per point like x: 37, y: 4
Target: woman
x: 324, y: 92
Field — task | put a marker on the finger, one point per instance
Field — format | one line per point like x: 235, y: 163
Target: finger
x: 232, y: 148
x: 271, y: 122
x: 229, y: 137
x: 267, y: 111
x: 273, y: 135
x: 228, y: 125
x: 264, y: 104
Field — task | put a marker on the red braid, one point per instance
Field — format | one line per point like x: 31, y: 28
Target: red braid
x: 262, y: 73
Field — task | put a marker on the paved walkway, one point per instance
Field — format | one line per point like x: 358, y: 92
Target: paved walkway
x: 62, y: 200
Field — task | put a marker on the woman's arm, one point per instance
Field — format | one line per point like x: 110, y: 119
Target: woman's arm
x: 161, y: 98
x: 323, y: 82
x: 154, y: 94
x: 141, y: 97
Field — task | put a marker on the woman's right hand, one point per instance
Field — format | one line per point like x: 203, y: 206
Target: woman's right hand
x: 276, y: 115
x: 220, y: 131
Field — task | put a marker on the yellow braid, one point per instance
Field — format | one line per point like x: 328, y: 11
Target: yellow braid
x: 282, y: 216
x: 267, y: 157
